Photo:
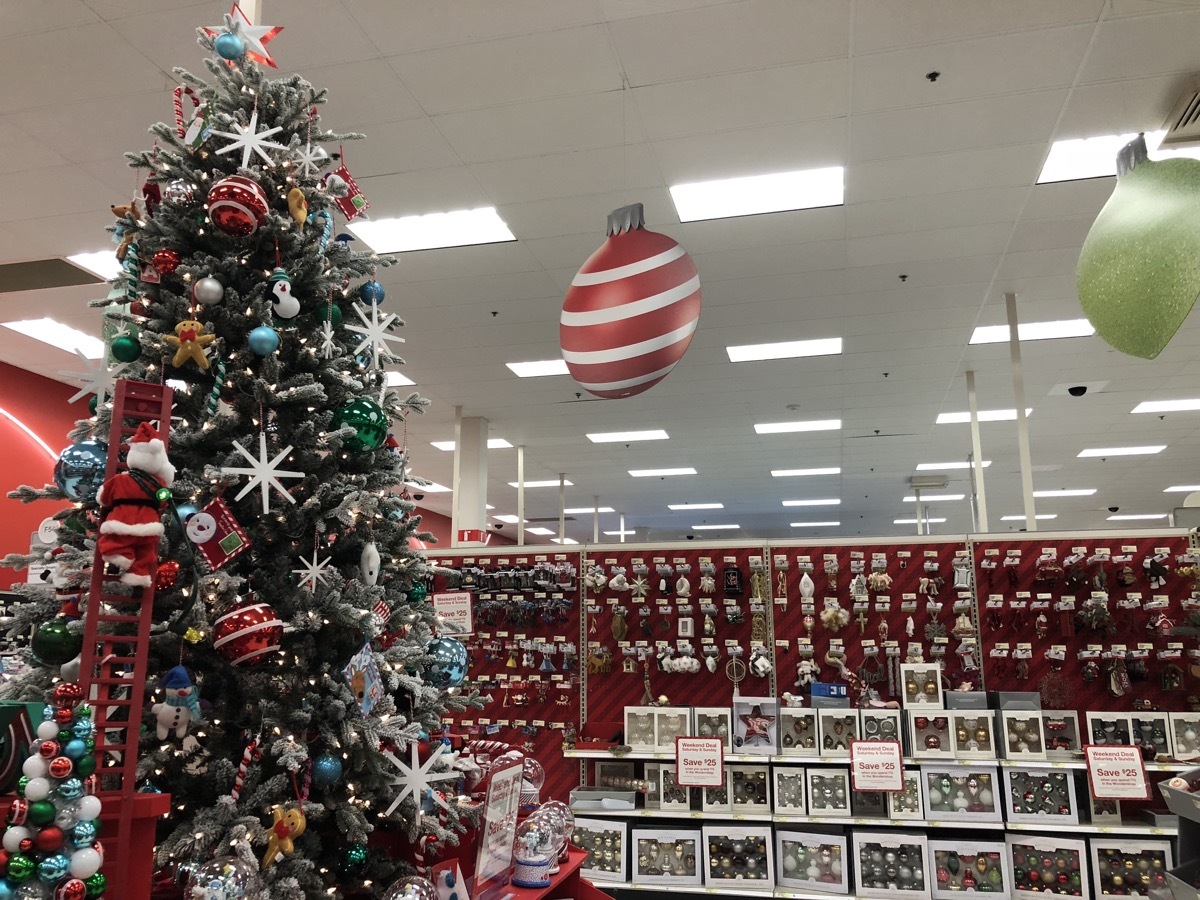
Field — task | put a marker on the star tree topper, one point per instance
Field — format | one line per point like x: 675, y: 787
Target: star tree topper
x: 255, y: 37
x: 416, y: 779
x: 251, y: 140
x: 263, y: 472
x: 375, y: 332
x: 757, y: 725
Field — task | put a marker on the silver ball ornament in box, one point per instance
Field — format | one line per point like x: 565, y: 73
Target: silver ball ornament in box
x: 449, y: 665
x: 207, y: 291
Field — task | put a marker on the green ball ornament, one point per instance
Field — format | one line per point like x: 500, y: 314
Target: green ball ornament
x: 54, y: 644
x: 90, y: 744
x: 41, y: 812
x: 86, y: 765
x: 20, y: 868
x: 368, y: 419
x: 93, y: 403
x: 418, y: 592
x: 354, y: 858
x: 125, y: 348
x: 96, y: 884
x: 21, y: 782
x: 330, y: 312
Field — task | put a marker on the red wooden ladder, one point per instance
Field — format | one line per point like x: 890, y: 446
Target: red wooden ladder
x: 116, y: 644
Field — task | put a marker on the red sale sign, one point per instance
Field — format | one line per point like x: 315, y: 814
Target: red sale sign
x: 699, y: 762
x: 876, y: 766
x: 1116, y: 772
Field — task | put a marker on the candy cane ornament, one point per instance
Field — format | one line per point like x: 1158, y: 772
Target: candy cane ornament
x: 214, y: 396
x: 182, y: 123
x: 252, y: 753
x: 322, y: 215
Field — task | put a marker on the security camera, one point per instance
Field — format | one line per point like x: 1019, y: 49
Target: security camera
x: 691, y: 537
x: 498, y: 525
x: 1113, y: 508
x: 1078, y: 391
x: 418, y: 497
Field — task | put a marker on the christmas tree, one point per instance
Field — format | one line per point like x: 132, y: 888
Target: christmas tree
x: 286, y: 593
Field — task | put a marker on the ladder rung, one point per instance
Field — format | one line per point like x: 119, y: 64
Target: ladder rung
x: 108, y: 617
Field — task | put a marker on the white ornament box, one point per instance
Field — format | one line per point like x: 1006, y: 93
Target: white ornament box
x: 1021, y: 734
x: 789, y: 790
x: 714, y: 721
x: 812, y: 861
x: 665, y: 856
x: 966, y: 793
x: 750, y: 789
x: 1109, y: 728
x: 880, y: 725
x: 605, y: 842
x: 742, y: 855
x: 755, y: 726
x: 1040, y: 797
x: 1128, y: 867
x: 798, y: 732
x: 1048, y: 861
x: 1061, y: 733
x: 908, y: 803
x: 973, y: 734
x: 921, y: 685
x: 671, y: 722
x: 891, y: 864
x: 828, y: 791
x: 639, y: 728
x: 837, y: 728
x: 1185, y: 732
x: 970, y: 868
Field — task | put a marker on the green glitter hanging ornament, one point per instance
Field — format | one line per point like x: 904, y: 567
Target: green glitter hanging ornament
x: 368, y: 419
x: 354, y: 857
x: 418, y: 592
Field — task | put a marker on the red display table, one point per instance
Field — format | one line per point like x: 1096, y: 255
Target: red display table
x: 129, y: 878
x: 567, y: 883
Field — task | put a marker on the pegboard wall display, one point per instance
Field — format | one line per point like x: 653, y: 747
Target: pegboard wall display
x: 523, y: 652
x: 681, y: 625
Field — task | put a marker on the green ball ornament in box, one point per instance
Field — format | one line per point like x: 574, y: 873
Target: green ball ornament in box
x: 368, y: 419
x: 54, y: 644
x: 354, y: 857
x: 418, y: 592
x: 125, y: 348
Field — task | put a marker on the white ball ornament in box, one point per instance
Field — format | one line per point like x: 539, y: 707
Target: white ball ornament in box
x: 631, y: 311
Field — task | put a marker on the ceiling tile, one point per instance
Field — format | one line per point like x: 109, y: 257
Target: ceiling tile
x: 1147, y: 45
x: 51, y: 15
x: 753, y: 151
x: 363, y: 92
x: 575, y: 215
x: 578, y: 173
x: 1120, y: 107
x: 423, y: 192
x: 935, y: 211
x: 117, y: 125
x: 390, y: 148
x: 20, y: 151
x: 988, y: 167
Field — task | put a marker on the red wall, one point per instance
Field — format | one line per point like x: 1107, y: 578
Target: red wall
x: 40, y: 404
x: 439, y: 525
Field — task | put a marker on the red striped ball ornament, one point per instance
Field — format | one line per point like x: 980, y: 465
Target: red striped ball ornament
x: 630, y: 313
x: 247, y: 635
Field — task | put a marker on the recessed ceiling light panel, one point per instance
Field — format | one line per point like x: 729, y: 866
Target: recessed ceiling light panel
x: 1166, y: 406
x: 939, y: 467
x: 812, y: 502
x: 678, y: 506
x: 540, y: 484
x: 56, y: 334
x: 791, y: 427
x: 1034, y: 331
x: 1066, y: 492
x: 662, y: 473
x: 800, y: 473
x: 539, y: 368
x: 985, y: 415
x: 785, y: 350
x: 628, y: 437
x: 1148, y: 450
x: 755, y: 194
x: 460, y: 228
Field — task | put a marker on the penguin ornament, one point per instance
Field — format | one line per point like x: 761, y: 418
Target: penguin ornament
x: 283, y: 303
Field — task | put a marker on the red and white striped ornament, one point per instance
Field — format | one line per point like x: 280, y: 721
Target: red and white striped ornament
x: 247, y: 635
x: 251, y: 753
x: 630, y: 313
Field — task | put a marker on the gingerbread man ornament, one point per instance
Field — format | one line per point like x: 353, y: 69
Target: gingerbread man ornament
x: 288, y: 825
x: 189, y: 340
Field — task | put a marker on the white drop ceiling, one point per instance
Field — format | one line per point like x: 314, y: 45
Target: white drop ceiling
x: 557, y: 111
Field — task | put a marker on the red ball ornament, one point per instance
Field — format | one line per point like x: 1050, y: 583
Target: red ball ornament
x: 237, y: 205
x: 49, y: 749
x: 48, y: 838
x: 630, y: 313
x: 68, y: 694
x: 26, y: 845
x: 166, y: 261
x: 248, y: 635
x: 61, y: 766
x: 18, y: 813
x: 71, y: 890
x: 63, y: 716
x: 167, y: 576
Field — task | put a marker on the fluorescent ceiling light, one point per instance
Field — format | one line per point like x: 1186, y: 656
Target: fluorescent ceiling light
x: 493, y: 444
x: 1040, y: 517
x: 507, y: 519
x: 535, y: 484
x: 488, y: 506
x: 935, y: 467
x: 432, y: 488
x: 1033, y: 331
x: 1068, y: 492
x: 538, y: 368
x: 56, y: 334
x: 715, y: 527
x: 794, y: 473
x: 1122, y: 451
x: 812, y: 502
x: 584, y: 510
x: 1182, y: 489
x: 985, y: 415
x: 102, y: 263
x: 1096, y: 157
x: 563, y: 541
x: 933, y: 498
x: 789, y: 427
x: 815, y: 524
x: 779, y: 192
x: 785, y: 350
x: 1166, y: 406
x: 1136, y: 517
x: 396, y: 379
x: 619, y: 533
x: 625, y: 437
x: 695, y: 506
x: 539, y: 530
x: 450, y: 229
x: 661, y: 473
x: 916, y: 521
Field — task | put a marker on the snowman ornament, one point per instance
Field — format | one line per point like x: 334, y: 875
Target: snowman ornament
x: 180, y: 708
x: 283, y: 302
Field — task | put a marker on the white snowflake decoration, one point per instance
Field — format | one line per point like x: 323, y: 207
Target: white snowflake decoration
x: 416, y: 779
x: 639, y: 586
x: 250, y: 140
x: 309, y: 159
x: 328, y: 347
x: 263, y: 472
x: 312, y: 572
x: 98, y: 377
x: 375, y: 334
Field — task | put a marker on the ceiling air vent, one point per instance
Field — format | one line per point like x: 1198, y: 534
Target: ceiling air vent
x: 1183, y: 124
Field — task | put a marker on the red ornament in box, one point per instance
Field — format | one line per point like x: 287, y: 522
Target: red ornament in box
x: 166, y: 261
x: 237, y: 205
x: 630, y: 313
x: 248, y: 634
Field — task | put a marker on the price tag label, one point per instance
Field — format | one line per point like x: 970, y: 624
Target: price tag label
x: 1116, y: 772
x: 876, y: 766
x: 699, y: 762
x: 454, y: 608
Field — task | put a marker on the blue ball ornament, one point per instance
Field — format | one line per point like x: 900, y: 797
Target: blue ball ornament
x: 229, y: 46
x: 75, y: 749
x: 449, y: 665
x: 327, y: 770
x: 71, y: 789
x: 263, y: 340
x: 83, y: 729
x: 79, y: 472
x: 7, y: 891
x: 186, y: 510
x: 371, y: 292
x: 84, y: 833
x: 53, y: 868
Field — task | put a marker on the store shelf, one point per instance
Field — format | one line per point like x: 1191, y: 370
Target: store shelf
x: 784, y: 819
x: 668, y: 755
x: 874, y: 822
x: 1090, y: 828
x: 673, y: 814
x: 742, y: 888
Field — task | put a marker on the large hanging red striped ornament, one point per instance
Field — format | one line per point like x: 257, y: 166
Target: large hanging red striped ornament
x: 248, y: 634
x: 630, y: 313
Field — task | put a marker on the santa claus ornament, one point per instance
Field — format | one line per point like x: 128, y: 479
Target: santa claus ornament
x: 630, y: 313
x: 131, y: 509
